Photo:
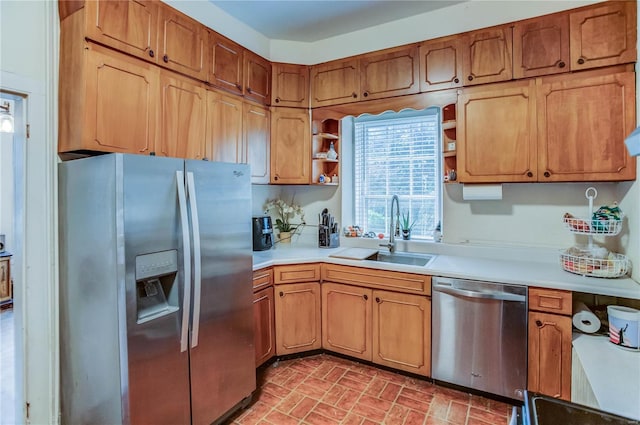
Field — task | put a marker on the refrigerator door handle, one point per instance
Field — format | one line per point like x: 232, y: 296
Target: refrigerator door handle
x: 197, y: 261
x: 186, y: 244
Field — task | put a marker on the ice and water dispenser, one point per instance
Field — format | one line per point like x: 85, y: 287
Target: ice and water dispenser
x: 156, y: 285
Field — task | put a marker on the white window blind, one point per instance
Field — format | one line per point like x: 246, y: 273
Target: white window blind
x: 398, y: 154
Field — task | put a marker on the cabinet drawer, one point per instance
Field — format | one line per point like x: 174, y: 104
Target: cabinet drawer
x: 296, y: 273
x: 550, y: 300
x: 380, y: 279
x: 262, y: 278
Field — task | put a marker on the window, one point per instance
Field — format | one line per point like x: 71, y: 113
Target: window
x: 398, y: 154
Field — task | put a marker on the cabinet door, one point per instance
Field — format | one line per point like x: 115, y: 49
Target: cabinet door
x: 257, y: 78
x: 224, y: 140
x: 393, y: 72
x: 487, y: 56
x: 402, y: 331
x: 121, y: 98
x: 541, y: 46
x: 440, y: 64
x: 129, y: 26
x: 256, y: 123
x: 264, y: 336
x: 225, y: 63
x: 550, y: 355
x: 290, y: 146
x: 334, y: 83
x: 5, y: 280
x: 290, y: 85
x: 583, y: 120
x: 346, y: 320
x: 182, y: 44
x: 298, y: 318
x: 182, y: 117
x: 604, y: 35
x: 496, y: 130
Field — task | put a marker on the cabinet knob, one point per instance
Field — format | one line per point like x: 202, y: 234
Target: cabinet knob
x: 152, y: 53
x: 538, y: 323
x: 239, y: 87
x: 561, y: 64
x: 529, y: 174
x: 275, y: 177
x: 456, y: 80
x: 281, y: 294
x: 378, y: 300
x: 365, y: 296
x: 581, y: 61
x: 547, y: 174
x: 354, y: 95
x: 165, y: 58
x: 249, y: 90
x: 277, y: 100
x: 470, y: 78
x: 152, y: 154
x: 365, y: 94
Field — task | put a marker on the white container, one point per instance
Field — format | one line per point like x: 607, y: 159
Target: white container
x: 624, y: 327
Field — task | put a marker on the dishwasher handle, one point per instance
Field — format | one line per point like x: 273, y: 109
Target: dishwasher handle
x: 501, y: 296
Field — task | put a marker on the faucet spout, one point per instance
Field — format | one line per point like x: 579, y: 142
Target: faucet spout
x: 394, y: 229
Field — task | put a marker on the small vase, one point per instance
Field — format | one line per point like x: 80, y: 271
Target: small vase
x: 284, y: 237
x: 406, y: 234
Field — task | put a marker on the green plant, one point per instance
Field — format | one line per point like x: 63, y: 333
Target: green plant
x: 404, y: 222
x: 285, y: 213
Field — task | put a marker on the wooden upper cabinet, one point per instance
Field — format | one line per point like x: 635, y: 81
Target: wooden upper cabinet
x: 583, y: 120
x: 603, y: 35
x: 290, y: 85
x: 257, y: 78
x: 392, y: 72
x: 256, y: 125
x: 183, y: 106
x: 541, y: 46
x: 108, y: 102
x: 440, y: 64
x: 224, y: 138
x: 225, y: 63
x: 334, y: 83
x: 290, y: 146
x: 487, y: 55
x: 130, y: 26
x: 182, y: 44
x: 496, y: 130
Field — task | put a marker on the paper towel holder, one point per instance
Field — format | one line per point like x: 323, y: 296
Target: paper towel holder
x: 481, y: 192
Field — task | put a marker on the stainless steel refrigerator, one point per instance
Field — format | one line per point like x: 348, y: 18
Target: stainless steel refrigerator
x: 156, y: 314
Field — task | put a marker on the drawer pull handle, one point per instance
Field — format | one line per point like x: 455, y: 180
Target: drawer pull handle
x: 165, y: 58
x: 378, y: 300
x: 365, y: 94
x: 529, y: 174
x: 277, y: 100
x: 152, y: 53
x: 456, y: 80
x: 547, y: 174
x: 538, y: 322
x: 365, y: 297
x: 470, y: 78
x: 281, y: 294
x: 561, y: 64
x: 581, y: 61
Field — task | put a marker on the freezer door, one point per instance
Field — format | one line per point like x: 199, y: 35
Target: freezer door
x: 158, y: 371
x: 222, y: 353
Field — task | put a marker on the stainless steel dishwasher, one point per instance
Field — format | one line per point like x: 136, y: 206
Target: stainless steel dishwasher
x: 480, y: 335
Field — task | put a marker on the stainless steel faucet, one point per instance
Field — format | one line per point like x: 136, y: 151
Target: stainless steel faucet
x: 394, y: 230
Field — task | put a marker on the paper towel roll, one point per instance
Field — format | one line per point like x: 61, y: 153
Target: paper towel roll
x: 584, y: 319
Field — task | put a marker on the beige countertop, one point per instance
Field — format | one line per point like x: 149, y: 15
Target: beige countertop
x: 523, y: 266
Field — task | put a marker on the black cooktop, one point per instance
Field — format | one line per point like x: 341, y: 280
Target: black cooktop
x: 543, y: 410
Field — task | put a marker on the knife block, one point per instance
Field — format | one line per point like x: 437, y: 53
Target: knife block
x: 326, y: 239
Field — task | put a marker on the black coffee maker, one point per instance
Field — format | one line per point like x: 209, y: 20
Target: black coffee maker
x: 262, y: 233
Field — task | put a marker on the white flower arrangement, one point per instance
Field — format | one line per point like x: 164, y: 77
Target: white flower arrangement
x: 285, y: 213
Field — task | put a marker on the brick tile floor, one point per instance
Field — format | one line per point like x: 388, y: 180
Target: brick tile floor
x: 328, y: 390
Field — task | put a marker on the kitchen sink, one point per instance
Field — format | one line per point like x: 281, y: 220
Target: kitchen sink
x: 402, y: 258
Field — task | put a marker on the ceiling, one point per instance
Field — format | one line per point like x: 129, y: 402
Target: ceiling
x: 313, y: 20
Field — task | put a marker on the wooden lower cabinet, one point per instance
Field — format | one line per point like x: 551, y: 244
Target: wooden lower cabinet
x: 346, y: 320
x: 298, y: 317
x: 5, y: 280
x: 264, y: 327
x: 550, y: 354
x: 402, y: 331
